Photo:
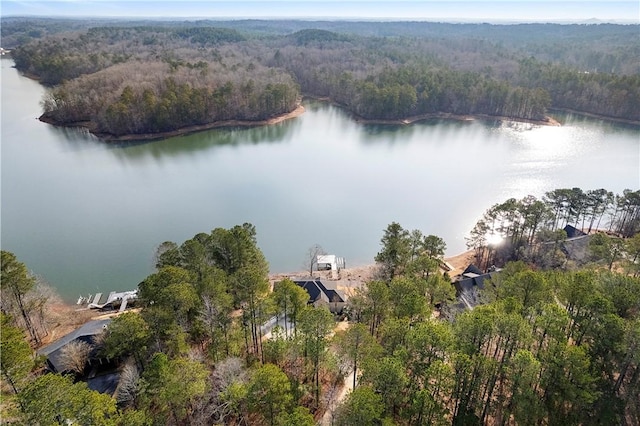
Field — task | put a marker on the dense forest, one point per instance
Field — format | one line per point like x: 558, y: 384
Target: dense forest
x: 551, y: 343
x: 146, y: 77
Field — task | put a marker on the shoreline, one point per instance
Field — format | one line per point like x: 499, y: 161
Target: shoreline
x: 145, y: 137
x: 548, y: 121
x: 300, y: 109
x: 64, y: 317
x: 355, y: 276
x: 362, y: 272
x: 598, y: 116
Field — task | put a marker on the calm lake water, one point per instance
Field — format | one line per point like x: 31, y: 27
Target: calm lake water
x: 87, y: 216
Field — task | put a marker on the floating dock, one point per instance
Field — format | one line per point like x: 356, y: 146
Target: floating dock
x: 114, y: 300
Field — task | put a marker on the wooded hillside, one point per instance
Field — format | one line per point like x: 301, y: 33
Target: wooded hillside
x: 132, y: 78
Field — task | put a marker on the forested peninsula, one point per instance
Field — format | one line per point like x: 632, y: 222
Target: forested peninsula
x: 128, y: 78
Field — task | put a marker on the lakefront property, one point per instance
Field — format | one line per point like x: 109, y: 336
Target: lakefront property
x: 200, y: 164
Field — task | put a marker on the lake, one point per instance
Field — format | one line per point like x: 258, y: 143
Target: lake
x: 87, y: 216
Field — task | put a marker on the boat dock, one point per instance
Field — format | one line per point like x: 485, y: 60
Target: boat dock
x: 115, y: 300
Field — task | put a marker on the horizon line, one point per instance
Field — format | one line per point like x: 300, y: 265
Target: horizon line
x: 448, y: 20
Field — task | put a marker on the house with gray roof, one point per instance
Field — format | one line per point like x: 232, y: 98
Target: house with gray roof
x: 86, y: 333
x: 469, y: 283
x: 321, y: 295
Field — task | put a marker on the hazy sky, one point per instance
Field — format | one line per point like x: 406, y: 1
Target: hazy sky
x: 497, y: 10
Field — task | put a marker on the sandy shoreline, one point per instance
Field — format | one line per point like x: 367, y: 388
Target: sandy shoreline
x: 549, y: 121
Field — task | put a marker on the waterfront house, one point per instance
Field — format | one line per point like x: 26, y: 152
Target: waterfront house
x: 100, y: 373
x: 86, y: 333
x: 320, y: 295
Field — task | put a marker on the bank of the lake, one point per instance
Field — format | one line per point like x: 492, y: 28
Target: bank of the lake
x: 87, y: 215
x: 635, y: 123
x: 147, y: 137
x: 547, y: 121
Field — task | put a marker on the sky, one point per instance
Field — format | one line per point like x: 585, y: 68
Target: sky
x: 430, y: 10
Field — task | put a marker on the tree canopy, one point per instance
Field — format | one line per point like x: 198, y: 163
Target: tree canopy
x: 133, y: 78
x: 546, y: 345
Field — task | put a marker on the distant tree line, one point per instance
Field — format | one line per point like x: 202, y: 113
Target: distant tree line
x: 415, y: 90
x: 605, y: 94
x: 596, y: 47
x: 374, y: 77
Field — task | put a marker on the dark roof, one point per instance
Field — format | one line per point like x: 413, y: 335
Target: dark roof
x: 332, y: 295
x: 472, y: 269
x: 315, y: 288
x: 479, y: 281
x: 106, y: 383
x: 312, y: 288
x: 85, y: 333
x: 573, y: 232
x: 468, y: 283
x: 463, y: 285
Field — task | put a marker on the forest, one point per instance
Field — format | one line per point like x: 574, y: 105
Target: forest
x: 147, y: 77
x: 552, y: 342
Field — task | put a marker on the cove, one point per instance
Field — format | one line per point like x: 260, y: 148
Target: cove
x: 87, y: 216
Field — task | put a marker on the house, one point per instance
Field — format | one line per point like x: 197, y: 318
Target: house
x: 329, y: 262
x: 86, y: 333
x: 573, y: 232
x: 472, y: 277
x: 102, y: 376
x: 469, y: 283
x: 320, y: 295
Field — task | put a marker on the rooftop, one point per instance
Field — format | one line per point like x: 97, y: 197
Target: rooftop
x: 86, y: 332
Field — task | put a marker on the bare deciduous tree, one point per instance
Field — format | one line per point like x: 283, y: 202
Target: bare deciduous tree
x: 311, y: 259
x: 220, y: 405
x: 128, y: 383
x: 74, y: 356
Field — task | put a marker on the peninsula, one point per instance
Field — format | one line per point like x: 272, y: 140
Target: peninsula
x: 142, y: 82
